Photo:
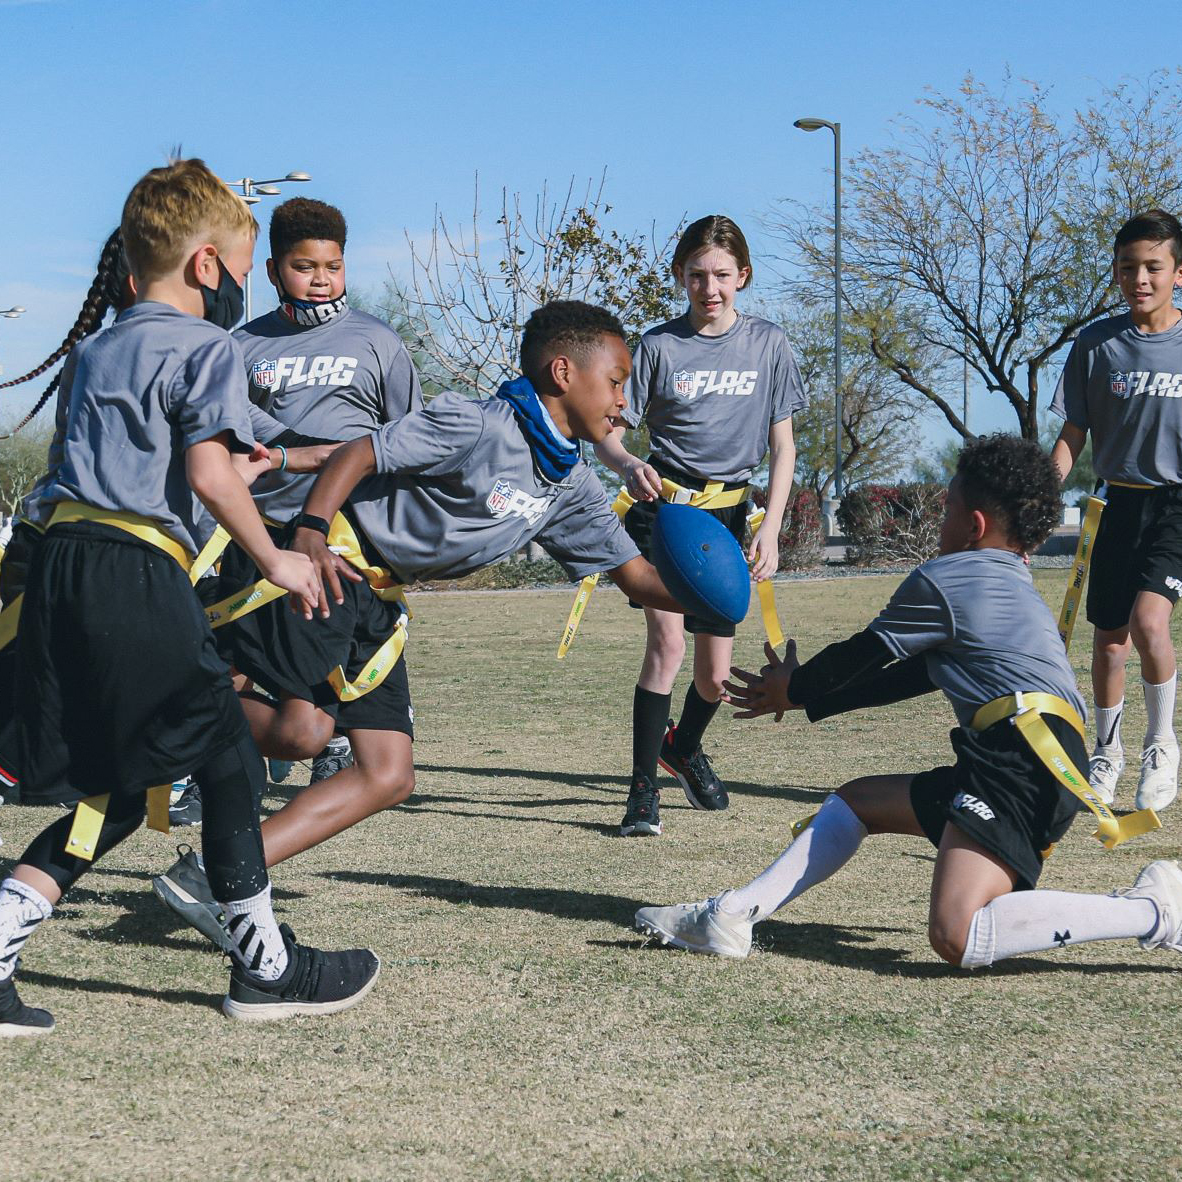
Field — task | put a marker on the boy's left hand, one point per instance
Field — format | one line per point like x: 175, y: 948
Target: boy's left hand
x: 250, y: 466
x: 765, y: 692
x: 763, y: 555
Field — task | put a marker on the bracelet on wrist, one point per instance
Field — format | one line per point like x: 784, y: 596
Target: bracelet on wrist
x: 311, y: 521
x: 283, y: 452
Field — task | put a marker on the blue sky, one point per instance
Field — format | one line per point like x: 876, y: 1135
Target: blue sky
x: 393, y: 108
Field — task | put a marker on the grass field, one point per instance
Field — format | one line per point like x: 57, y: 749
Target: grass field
x: 521, y: 1030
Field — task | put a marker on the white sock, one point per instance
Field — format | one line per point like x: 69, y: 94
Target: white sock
x: 1030, y: 921
x: 1159, y: 711
x: 1108, y: 726
x: 819, y: 852
x: 259, y: 947
x: 22, y: 909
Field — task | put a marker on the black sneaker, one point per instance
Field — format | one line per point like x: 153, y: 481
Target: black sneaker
x: 314, y: 982
x: 186, y: 808
x: 337, y: 756
x: 643, y: 815
x: 702, y: 788
x: 185, y: 889
x: 18, y: 1020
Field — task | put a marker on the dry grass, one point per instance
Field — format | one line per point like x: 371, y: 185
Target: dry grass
x: 521, y: 1030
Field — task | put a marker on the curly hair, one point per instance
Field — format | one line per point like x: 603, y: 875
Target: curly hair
x: 109, y: 289
x: 300, y: 218
x: 1015, y: 480
x: 564, y: 325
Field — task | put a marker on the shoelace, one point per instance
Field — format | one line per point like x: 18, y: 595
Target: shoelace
x: 700, y: 766
x: 1155, y: 757
x: 1103, y: 766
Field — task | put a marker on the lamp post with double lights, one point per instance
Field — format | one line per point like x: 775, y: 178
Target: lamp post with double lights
x: 816, y: 125
x: 252, y: 191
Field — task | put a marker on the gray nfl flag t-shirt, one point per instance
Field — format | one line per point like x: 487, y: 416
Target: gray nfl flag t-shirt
x: 709, y: 401
x: 983, y: 628
x: 338, y: 380
x: 1125, y: 387
x: 458, y: 490
x: 142, y: 392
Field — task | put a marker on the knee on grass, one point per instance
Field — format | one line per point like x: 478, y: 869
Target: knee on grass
x: 948, y: 941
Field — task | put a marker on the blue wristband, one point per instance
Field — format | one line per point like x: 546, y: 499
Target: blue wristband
x: 281, y: 448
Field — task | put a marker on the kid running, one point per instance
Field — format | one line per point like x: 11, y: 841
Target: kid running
x: 444, y: 491
x: 717, y: 389
x: 1121, y: 382
x: 971, y: 624
x: 125, y: 690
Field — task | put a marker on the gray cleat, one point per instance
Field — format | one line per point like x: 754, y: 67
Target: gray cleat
x: 184, y: 888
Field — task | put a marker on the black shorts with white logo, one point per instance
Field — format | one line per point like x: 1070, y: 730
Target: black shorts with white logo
x: 640, y: 518
x: 286, y: 654
x: 1138, y: 548
x: 1000, y: 794
x: 120, y: 686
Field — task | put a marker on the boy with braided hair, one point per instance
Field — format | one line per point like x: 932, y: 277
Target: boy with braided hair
x: 125, y: 690
x: 969, y: 623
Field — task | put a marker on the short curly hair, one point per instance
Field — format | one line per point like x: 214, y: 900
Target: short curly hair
x: 1013, y: 479
x: 300, y: 218
x: 564, y: 325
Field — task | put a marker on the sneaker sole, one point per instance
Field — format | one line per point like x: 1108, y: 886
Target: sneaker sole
x: 13, y: 1030
x: 1158, y: 804
x: 669, y: 940
x: 695, y: 801
x: 276, y: 1011
x: 195, y: 913
x: 641, y: 829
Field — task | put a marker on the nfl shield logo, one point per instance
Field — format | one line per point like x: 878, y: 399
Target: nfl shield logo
x: 498, y: 499
x: 1118, y: 383
x: 683, y: 383
x: 262, y: 374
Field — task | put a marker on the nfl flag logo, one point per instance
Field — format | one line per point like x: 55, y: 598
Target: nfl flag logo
x: 498, y: 499
x: 262, y: 374
x: 1118, y: 383
x: 683, y: 383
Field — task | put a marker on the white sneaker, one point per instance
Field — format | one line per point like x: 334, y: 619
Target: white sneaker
x: 1104, y: 770
x: 1159, y: 776
x: 700, y: 927
x: 1161, y: 883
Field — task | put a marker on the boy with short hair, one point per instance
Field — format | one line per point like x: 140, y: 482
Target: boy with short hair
x: 125, y: 691
x: 1121, y: 382
x: 971, y: 624
x: 444, y: 491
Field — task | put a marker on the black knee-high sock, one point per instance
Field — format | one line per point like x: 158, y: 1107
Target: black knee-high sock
x: 47, y: 851
x: 231, y: 792
x: 650, y: 716
x: 695, y: 718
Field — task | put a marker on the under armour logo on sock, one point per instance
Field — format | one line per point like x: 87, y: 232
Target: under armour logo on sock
x: 1061, y: 940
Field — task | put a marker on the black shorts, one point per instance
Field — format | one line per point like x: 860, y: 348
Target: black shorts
x: 1001, y: 795
x: 120, y: 686
x: 638, y: 523
x: 1138, y: 548
x: 286, y: 654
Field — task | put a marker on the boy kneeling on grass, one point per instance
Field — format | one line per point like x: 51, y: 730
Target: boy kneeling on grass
x: 970, y: 623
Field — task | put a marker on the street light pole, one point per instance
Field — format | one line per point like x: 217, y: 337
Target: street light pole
x: 816, y: 125
x: 252, y: 191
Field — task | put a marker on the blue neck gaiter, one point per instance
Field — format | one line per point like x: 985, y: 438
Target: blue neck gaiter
x: 554, y: 455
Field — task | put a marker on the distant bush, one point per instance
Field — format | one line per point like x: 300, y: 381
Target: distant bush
x: 502, y: 576
x: 802, y: 538
x: 885, y: 523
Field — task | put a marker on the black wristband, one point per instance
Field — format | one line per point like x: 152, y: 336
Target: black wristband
x: 308, y: 521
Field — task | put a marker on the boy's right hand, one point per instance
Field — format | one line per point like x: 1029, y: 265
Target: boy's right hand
x: 642, y: 481
x: 767, y: 691
x: 295, y: 573
x: 329, y: 568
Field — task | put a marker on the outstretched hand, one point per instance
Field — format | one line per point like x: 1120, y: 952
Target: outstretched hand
x: 765, y: 692
x: 330, y: 568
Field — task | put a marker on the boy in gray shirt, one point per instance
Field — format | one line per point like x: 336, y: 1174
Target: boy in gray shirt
x: 1123, y: 383
x: 971, y: 624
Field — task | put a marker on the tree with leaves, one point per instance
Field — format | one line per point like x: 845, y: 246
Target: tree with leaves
x: 470, y: 295
x: 983, y: 234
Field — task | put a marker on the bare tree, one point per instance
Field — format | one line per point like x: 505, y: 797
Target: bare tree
x: 22, y: 461
x: 469, y: 296
x: 984, y: 236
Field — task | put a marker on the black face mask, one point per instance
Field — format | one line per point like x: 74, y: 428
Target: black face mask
x: 223, y: 304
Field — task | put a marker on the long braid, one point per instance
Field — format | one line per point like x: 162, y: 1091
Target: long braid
x: 108, y: 290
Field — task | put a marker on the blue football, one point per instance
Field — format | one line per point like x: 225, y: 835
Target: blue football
x: 701, y: 563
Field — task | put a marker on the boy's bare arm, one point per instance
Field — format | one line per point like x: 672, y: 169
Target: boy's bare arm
x: 214, y: 478
x: 640, y: 479
x: 638, y: 579
x: 1067, y: 448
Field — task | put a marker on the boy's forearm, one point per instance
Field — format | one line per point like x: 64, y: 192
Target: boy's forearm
x: 838, y: 667
x: 347, y: 466
x: 897, y: 682
x: 613, y: 453
x: 223, y: 492
x: 1067, y: 448
x: 638, y: 579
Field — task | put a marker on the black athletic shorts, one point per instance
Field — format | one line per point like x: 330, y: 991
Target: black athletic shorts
x: 1138, y: 548
x: 638, y: 523
x: 119, y: 682
x: 1000, y: 794
x: 286, y: 654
